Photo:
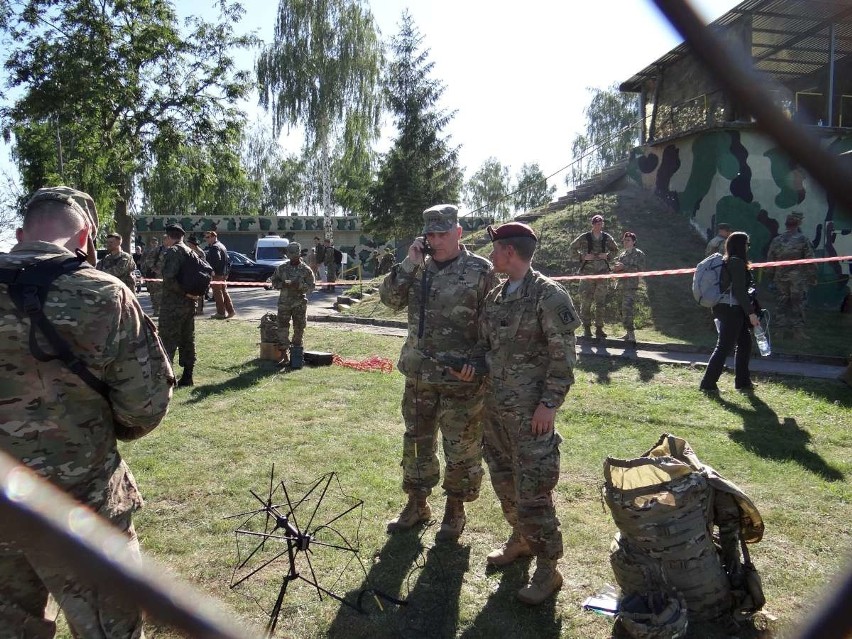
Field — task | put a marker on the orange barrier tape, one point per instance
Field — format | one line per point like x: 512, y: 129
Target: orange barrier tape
x: 374, y: 363
x: 600, y: 276
x: 688, y: 271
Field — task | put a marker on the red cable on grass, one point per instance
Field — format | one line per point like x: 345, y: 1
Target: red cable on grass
x: 373, y: 363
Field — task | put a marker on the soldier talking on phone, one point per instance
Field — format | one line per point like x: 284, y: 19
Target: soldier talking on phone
x: 444, y: 286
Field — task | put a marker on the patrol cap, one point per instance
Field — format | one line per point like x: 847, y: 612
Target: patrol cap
x: 795, y: 216
x: 294, y: 249
x: 81, y: 202
x: 175, y: 228
x: 724, y: 226
x: 597, y: 218
x: 509, y: 230
x: 440, y: 218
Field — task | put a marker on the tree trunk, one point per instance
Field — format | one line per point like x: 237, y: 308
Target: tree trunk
x: 123, y: 223
x: 325, y: 187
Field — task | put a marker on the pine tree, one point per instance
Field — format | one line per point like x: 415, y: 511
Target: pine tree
x: 421, y: 169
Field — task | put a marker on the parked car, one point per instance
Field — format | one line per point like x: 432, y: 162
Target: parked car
x: 245, y: 269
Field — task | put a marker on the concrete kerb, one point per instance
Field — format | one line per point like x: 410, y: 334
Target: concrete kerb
x: 797, y: 365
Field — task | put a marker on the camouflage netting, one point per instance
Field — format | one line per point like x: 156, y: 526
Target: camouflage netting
x: 666, y: 505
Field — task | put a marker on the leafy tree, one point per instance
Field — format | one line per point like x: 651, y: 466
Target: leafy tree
x: 531, y: 190
x: 101, y: 79
x: 277, y: 179
x: 612, y: 130
x: 487, y: 190
x: 322, y: 71
x: 421, y: 168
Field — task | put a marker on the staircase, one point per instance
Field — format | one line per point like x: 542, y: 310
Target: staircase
x: 595, y: 185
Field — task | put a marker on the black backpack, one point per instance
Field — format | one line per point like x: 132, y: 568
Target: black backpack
x: 28, y: 288
x: 338, y: 257
x: 195, y: 274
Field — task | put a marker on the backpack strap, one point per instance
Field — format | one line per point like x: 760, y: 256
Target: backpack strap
x: 28, y: 288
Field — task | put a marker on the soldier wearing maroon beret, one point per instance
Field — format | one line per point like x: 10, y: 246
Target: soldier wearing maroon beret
x: 527, y: 336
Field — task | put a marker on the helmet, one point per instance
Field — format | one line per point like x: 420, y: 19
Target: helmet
x: 654, y: 615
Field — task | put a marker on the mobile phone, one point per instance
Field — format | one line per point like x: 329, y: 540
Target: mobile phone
x: 427, y: 248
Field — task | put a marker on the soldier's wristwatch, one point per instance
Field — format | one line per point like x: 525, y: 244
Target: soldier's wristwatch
x: 547, y: 404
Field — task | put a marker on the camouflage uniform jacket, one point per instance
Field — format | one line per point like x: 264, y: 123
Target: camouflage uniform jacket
x: 152, y: 262
x: 580, y: 246
x: 120, y: 265
x: 792, y: 245
x: 173, y: 258
x: 301, y: 274
x: 634, y: 262
x: 454, y: 301
x: 52, y: 420
x: 528, y: 340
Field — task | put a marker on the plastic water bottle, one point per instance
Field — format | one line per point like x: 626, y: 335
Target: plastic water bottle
x: 762, y: 341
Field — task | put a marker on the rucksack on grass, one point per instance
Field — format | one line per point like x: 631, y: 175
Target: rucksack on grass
x: 707, y: 282
x: 195, y: 274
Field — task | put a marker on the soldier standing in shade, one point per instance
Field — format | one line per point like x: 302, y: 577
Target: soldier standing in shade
x: 717, y: 243
x: 444, y: 293
x: 330, y: 264
x: 527, y: 335
x: 192, y: 242
x: 63, y: 429
x: 791, y: 282
x: 630, y: 260
x: 296, y: 281
x: 118, y: 263
x: 217, y: 257
x: 594, y: 249
x: 152, y: 267
x: 385, y: 262
x: 177, y: 308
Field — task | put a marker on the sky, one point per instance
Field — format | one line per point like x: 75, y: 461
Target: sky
x: 516, y: 74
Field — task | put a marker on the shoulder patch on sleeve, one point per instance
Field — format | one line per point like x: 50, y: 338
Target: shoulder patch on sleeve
x: 566, y: 314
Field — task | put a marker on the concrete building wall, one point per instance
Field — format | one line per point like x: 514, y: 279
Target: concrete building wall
x: 738, y: 175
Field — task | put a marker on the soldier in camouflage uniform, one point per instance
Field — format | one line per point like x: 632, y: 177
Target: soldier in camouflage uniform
x: 595, y: 250
x: 444, y: 293
x: 61, y: 428
x: 717, y: 243
x: 630, y: 260
x: 118, y: 263
x: 527, y: 335
x: 152, y: 267
x: 296, y: 281
x: 330, y: 264
x: 177, y: 308
x: 792, y: 282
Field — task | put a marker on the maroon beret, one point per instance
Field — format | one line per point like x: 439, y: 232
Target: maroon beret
x: 510, y: 229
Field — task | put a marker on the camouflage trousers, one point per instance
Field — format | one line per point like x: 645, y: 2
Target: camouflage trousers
x: 524, y: 472
x: 155, y: 292
x: 177, y: 330
x: 455, y: 410
x: 26, y: 578
x: 593, y: 292
x: 299, y: 315
x: 792, y: 295
x: 628, y: 302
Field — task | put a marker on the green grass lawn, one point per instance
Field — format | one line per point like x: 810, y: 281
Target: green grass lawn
x: 788, y: 448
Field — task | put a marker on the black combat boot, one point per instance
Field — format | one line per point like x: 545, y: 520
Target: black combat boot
x: 186, y: 378
x: 297, y: 357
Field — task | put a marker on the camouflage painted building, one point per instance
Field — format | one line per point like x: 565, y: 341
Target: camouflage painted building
x: 239, y: 233
x: 710, y: 162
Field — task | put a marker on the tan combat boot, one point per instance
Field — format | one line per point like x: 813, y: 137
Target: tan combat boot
x: 546, y: 580
x: 416, y: 511
x: 514, y: 548
x: 454, y: 520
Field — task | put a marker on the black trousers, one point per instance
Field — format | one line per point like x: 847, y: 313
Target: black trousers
x: 734, y: 334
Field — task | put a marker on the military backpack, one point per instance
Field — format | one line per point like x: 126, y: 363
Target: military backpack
x: 28, y: 287
x: 195, y: 274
